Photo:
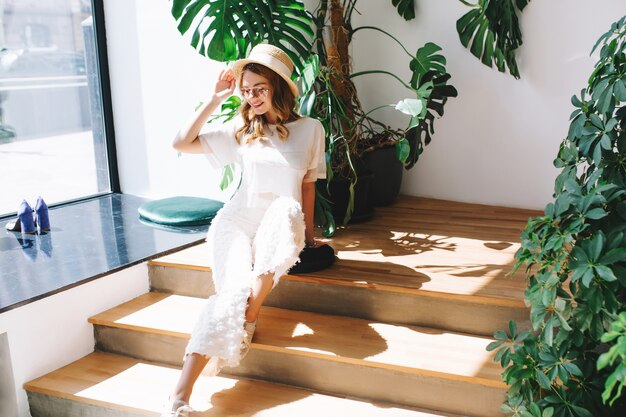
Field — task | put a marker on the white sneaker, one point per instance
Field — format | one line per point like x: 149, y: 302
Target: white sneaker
x: 176, y: 408
x: 247, y: 340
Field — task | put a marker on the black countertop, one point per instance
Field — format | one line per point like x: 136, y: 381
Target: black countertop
x: 89, y: 239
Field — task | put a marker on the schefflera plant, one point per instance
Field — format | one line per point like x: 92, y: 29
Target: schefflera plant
x: 575, y: 257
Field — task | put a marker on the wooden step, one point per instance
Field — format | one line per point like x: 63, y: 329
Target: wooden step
x: 407, y: 365
x: 454, y: 267
x: 106, y: 385
x: 435, y: 250
x: 433, y: 295
x: 184, y: 272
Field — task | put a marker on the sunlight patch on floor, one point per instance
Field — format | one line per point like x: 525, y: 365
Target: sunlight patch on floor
x: 433, y: 350
x: 145, y: 386
x: 174, y: 313
x: 302, y: 329
x: 311, y: 350
x: 441, y: 260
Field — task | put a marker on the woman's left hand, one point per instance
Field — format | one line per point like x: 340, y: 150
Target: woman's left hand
x: 225, y: 85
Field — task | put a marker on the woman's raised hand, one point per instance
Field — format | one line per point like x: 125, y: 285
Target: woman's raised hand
x: 225, y: 85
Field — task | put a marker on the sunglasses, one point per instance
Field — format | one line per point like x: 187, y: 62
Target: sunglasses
x: 255, y: 92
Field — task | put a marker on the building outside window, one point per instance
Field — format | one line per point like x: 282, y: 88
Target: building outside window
x: 52, y: 138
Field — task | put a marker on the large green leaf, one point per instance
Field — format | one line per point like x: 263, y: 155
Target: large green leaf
x: 421, y: 135
x: 406, y: 8
x: 224, y: 30
x: 426, y: 59
x: 402, y: 150
x: 309, y: 73
x: 492, y: 32
x: 428, y: 70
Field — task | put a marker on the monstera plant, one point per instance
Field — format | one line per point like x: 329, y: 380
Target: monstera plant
x: 226, y: 29
x: 354, y: 132
x: 492, y: 32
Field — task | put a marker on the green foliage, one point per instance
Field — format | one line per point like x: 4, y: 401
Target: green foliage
x: 352, y: 132
x: 429, y: 84
x: 430, y: 79
x: 330, y: 110
x: 323, y: 216
x: 406, y: 8
x: 426, y: 59
x: 575, y: 256
x: 492, y: 32
x: 228, y: 109
x: 308, y: 104
x: 224, y: 30
x: 616, y: 356
x: 228, y: 176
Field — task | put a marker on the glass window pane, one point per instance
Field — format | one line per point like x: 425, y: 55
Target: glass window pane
x: 51, y: 126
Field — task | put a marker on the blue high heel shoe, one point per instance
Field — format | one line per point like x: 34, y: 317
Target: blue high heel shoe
x: 25, y: 222
x: 41, y: 214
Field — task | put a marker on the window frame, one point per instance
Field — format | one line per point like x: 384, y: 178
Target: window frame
x: 97, y: 9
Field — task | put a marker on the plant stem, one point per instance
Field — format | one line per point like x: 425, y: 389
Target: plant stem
x: 320, y: 21
x: 348, y: 12
x: 374, y: 109
x: 386, y: 33
x: 468, y: 4
x: 356, y: 74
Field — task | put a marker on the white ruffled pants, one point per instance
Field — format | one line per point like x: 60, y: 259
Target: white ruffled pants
x: 243, y: 244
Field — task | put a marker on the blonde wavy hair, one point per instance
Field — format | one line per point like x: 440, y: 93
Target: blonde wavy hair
x: 283, y: 103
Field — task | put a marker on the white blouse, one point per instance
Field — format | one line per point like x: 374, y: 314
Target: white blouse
x: 271, y: 167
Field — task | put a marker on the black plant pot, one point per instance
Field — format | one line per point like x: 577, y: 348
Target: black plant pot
x: 387, y: 170
x: 340, y: 194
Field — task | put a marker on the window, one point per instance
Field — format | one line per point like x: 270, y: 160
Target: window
x: 52, y: 129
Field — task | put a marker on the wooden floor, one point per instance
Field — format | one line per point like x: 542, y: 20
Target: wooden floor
x: 444, y: 247
x: 433, y: 245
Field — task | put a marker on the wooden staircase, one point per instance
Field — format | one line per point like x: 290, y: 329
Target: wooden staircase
x: 397, y: 327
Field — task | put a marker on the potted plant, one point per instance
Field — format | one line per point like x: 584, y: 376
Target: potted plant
x: 358, y: 140
x: 571, y: 363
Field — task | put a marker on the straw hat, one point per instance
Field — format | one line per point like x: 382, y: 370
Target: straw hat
x: 272, y: 57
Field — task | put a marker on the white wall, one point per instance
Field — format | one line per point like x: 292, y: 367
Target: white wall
x: 157, y: 80
x: 8, y: 397
x: 497, y: 140
x: 495, y: 144
x: 53, y: 332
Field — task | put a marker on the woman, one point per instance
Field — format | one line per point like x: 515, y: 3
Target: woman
x: 258, y: 234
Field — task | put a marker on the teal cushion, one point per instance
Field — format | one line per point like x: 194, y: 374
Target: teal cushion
x: 180, y: 211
